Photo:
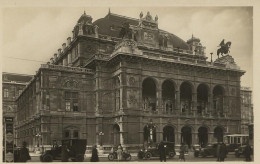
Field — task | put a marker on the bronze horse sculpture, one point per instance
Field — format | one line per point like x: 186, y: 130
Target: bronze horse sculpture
x: 224, y: 49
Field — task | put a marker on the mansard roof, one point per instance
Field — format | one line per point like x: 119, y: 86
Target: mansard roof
x: 18, y: 78
x: 111, y: 25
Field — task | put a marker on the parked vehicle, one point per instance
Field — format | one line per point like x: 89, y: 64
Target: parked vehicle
x: 140, y: 154
x: 209, y: 150
x: 234, y: 141
x: 152, y: 150
x: 241, y: 151
x: 125, y: 156
x: 76, y: 147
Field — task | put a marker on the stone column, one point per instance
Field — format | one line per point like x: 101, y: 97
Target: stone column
x: 178, y: 101
x: 98, y: 98
x: 195, y: 139
x: 211, y: 137
x: 69, y: 59
x: 211, y: 106
x: 194, y: 102
x: 159, y: 98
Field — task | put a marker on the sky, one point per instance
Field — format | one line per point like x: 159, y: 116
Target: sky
x: 36, y: 33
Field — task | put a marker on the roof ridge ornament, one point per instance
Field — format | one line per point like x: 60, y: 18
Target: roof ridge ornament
x: 148, y: 21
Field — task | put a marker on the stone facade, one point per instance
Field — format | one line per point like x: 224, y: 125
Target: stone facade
x: 246, y: 109
x: 12, y: 87
x: 135, y: 83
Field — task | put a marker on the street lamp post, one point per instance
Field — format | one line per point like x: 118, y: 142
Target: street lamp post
x: 101, y: 135
x: 38, y: 135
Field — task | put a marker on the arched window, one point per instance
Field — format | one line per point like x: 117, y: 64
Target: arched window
x: 186, y: 97
x: 202, y: 98
x: 168, y: 96
x: 218, y: 100
x: 149, y: 94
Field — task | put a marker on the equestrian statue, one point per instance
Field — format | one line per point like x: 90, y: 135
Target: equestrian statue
x: 224, y: 48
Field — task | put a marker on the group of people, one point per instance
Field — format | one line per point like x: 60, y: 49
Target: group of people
x: 221, y: 152
x: 95, y: 158
x: 22, y: 154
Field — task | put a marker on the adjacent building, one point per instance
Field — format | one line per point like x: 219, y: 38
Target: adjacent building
x: 124, y: 80
x: 12, y: 86
x: 247, y: 116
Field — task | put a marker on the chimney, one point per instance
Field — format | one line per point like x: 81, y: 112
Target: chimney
x: 59, y: 51
x: 73, y: 37
x: 55, y: 56
x: 68, y: 41
x: 64, y: 46
x: 52, y: 61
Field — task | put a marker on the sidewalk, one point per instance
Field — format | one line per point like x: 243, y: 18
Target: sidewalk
x: 33, y: 154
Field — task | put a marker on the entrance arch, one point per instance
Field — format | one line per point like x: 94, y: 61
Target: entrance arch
x: 186, y: 135
x: 116, y: 134
x: 168, y: 134
x: 203, y: 136
x: 149, y: 94
x: 219, y: 133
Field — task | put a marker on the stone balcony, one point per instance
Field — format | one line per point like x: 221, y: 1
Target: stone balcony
x: 66, y: 68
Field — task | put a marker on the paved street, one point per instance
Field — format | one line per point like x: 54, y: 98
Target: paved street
x: 190, y: 157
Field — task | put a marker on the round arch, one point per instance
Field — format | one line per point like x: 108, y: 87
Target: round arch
x: 169, y: 133
x: 116, y: 134
x: 186, y: 90
x: 172, y: 81
x: 202, y: 97
x: 203, y: 135
x: 168, y: 95
x: 219, y: 87
x: 153, y: 79
x: 149, y: 94
x: 186, y: 135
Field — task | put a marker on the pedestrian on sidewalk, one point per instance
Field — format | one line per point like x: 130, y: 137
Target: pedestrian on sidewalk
x: 162, y: 152
x: 223, y: 152
x: 182, y: 151
x: 248, y: 152
x: 119, y: 152
x: 24, y: 153
x: 94, y: 157
x: 64, y: 153
x: 218, y: 151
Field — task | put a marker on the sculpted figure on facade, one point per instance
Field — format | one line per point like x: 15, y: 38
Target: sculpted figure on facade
x: 224, y: 48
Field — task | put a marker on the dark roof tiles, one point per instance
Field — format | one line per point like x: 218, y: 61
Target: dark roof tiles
x: 111, y: 25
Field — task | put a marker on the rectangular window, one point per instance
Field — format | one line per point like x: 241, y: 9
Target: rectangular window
x: 76, y: 134
x: 71, y: 99
x: 75, y: 107
x: 6, y: 93
x: 66, y: 134
x: 67, y: 106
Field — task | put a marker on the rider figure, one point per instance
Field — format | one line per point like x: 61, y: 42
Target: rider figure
x: 222, y: 43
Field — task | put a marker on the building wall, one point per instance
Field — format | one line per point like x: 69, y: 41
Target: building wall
x: 246, y: 109
x: 43, y: 116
